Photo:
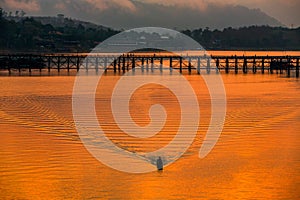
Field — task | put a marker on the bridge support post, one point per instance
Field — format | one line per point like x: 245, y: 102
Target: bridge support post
x: 245, y: 67
x: 161, y: 64
x: 263, y: 66
x: 105, y: 65
x: 227, y: 66
x: 78, y: 64
x: 190, y: 65
x: 152, y: 64
x: 30, y: 62
x: 208, y: 66
x: 290, y: 67
x: 297, y: 68
x: 133, y: 64
x: 97, y: 64
x: 40, y: 58
x: 19, y: 67
x: 281, y: 67
x: 254, y: 66
x: 171, y: 64
x: 87, y: 64
x: 147, y: 66
x: 119, y: 64
x: 115, y: 66
x: 58, y: 64
x: 9, y: 65
x: 236, y: 65
x: 68, y: 64
x: 271, y: 67
x: 124, y: 65
x: 49, y: 63
x: 198, y: 65
x: 143, y: 62
x: 180, y: 65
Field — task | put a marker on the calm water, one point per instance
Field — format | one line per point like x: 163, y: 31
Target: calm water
x: 256, y: 157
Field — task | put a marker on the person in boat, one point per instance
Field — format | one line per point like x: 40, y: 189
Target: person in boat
x: 159, y: 164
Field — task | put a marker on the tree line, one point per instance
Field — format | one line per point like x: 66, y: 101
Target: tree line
x: 28, y: 34
x: 248, y: 38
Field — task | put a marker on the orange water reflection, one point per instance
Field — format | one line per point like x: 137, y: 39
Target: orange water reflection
x: 257, y: 156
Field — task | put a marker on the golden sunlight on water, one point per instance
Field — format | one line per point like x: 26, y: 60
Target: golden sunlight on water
x: 256, y: 157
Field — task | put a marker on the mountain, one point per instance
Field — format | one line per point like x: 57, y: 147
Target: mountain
x: 59, y: 21
x: 170, y: 16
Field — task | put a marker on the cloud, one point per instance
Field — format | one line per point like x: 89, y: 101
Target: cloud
x: 124, y: 3
x: 106, y: 4
x: 35, y: 5
x: 194, y: 4
x: 26, y: 5
x: 60, y: 6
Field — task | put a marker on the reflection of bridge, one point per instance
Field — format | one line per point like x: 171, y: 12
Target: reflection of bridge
x: 121, y: 64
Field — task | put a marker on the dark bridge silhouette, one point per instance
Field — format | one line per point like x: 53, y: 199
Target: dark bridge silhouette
x: 18, y: 63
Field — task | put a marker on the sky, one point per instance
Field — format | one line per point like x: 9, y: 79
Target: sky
x: 285, y: 11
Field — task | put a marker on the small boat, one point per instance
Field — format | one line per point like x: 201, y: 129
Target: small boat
x: 159, y: 164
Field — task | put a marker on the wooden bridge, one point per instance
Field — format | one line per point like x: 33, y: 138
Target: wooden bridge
x: 30, y: 63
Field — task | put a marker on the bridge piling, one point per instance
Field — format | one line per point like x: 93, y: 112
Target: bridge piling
x: 208, y: 66
x: 171, y: 64
x: 68, y: 64
x: 190, y: 66
x: 280, y: 67
x: 254, y: 68
x: 288, y: 67
x: 29, y: 66
x: 180, y: 64
x: 40, y: 66
x: 115, y: 66
x: 77, y: 63
x: 58, y: 64
x: 245, y: 67
x: 124, y: 65
x: 236, y: 65
x: 119, y: 64
x: 143, y: 63
x: 263, y: 66
x: 133, y: 64
x: 227, y: 66
x: 152, y: 64
x: 97, y: 64
x: 297, y: 68
x: 198, y: 65
x: 161, y: 64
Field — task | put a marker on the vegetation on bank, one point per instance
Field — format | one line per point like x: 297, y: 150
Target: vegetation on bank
x: 248, y: 38
x: 30, y: 35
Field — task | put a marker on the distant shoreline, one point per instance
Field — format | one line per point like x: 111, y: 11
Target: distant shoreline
x: 73, y: 36
x: 210, y: 52
x: 4, y: 51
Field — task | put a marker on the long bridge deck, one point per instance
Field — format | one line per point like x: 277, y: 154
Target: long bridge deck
x: 121, y: 64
